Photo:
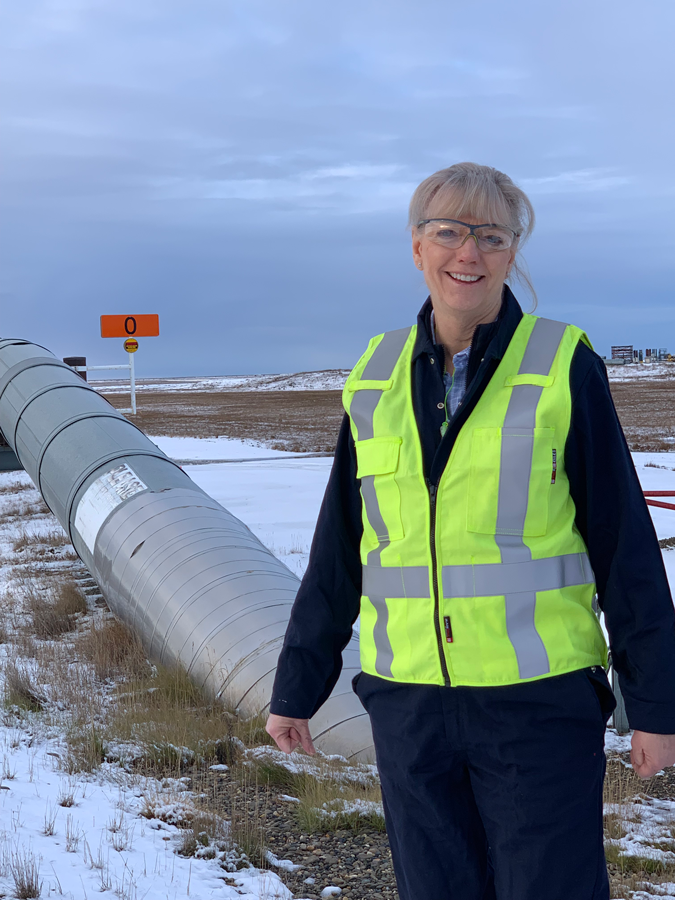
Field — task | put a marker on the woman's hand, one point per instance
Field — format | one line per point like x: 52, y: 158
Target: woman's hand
x: 288, y: 733
x: 651, y: 752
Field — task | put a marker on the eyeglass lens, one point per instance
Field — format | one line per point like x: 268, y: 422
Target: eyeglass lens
x: 453, y: 235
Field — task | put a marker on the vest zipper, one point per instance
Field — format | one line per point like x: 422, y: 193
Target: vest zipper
x: 433, y: 492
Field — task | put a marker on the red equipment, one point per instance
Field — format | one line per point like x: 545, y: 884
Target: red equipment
x: 649, y: 494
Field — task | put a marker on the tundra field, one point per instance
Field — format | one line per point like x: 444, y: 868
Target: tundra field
x: 280, y: 412
x: 120, y: 777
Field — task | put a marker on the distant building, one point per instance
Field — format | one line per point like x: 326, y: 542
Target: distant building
x: 625, y: 351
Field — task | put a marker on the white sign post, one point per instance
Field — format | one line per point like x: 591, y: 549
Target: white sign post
x: 132, y: 379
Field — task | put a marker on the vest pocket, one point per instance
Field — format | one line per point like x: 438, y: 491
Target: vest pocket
x: 510, y: 479
x: 377, y: 462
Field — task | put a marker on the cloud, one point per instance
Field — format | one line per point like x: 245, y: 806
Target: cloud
x: 143, y: 143
x: 577, y: 180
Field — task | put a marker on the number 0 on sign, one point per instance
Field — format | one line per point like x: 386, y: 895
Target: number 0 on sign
x: 130, y: 326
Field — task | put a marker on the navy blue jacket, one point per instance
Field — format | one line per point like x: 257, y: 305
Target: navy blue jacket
x: 611, y: 515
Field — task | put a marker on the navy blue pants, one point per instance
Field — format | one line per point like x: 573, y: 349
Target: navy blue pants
x: 493, y: 793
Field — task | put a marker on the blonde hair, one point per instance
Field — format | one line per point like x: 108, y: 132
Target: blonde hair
x: 467, y: 189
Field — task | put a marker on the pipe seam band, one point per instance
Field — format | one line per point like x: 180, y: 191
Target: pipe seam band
x: 20, y: 342
x: 62, y: 427
x: 36, y: 396
x: 32, y: 363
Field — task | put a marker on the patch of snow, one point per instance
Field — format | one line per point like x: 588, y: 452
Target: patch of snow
x: 617, y: 743
x: 213, y: 448
x: 330, y: 891
x: 665, y: 891
x: 656, y: 472
x: 639, y: 371
x: 334, y: 808
x: 648, y: 824
x: 299, y: 763
x: 284, y: 864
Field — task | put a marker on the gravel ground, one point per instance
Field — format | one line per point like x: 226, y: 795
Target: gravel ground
x: 358, y: 862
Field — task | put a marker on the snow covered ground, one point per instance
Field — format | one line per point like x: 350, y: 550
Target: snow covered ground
x: 214, y: 448
x: 328, y: 380
x: 641, y: 370
x: 103, y: 842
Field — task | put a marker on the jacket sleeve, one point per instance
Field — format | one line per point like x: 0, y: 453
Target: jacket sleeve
x: 614, y: 520
x: 327, y: 603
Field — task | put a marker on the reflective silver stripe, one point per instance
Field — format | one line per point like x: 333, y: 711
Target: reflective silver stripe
x: 377, y: 523
x: 379, y: 367
x: 514, y: 487
x: 406, y: 581
x: 381, y: 583
x: 384, y: 652
x: 497, y: 579
x: 542, y: 347
x: 381, y: 364
x: 362, y: 411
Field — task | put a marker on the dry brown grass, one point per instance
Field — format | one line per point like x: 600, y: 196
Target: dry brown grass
x: 622, y: 784
x: 48, y: 538
x: 15, y: 487
x: 21, y: 692
x: 329, y: 804
x: 25, y: 870
x: 114, y: 650
x: 177, y: 726
x: 329, y: 799
x: 310, y: 420
x: 23, y: 508
x: 623, y: 790
x: 69, y: 598
x: 646, y: 408
x: 54, y: 614
x: 204, y: 829
x: 243, y: 800
x: 299, y: 421
x: 86, y: 750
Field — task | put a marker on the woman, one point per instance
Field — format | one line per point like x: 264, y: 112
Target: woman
x: 482, y: 495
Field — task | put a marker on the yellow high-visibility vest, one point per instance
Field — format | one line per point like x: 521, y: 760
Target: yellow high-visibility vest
x: 484, y: 580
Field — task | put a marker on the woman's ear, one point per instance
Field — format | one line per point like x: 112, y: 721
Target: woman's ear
x: 417, y: 250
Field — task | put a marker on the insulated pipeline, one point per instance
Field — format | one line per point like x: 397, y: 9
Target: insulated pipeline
x: 188, y: 577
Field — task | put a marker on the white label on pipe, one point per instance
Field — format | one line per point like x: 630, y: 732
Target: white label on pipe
x: 102, y: 497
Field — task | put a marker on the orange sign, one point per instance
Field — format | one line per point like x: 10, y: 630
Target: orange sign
x: 131, y: 345
x: 129, y: 326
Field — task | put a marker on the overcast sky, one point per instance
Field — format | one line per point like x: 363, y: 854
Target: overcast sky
x: 244, y: 168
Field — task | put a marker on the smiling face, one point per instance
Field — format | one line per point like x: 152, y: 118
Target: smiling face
x: 465, y: 280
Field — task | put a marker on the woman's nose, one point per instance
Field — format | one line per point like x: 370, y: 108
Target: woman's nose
x: 469, y: 249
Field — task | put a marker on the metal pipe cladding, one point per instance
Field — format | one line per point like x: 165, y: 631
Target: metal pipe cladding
x: 189, y: 578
